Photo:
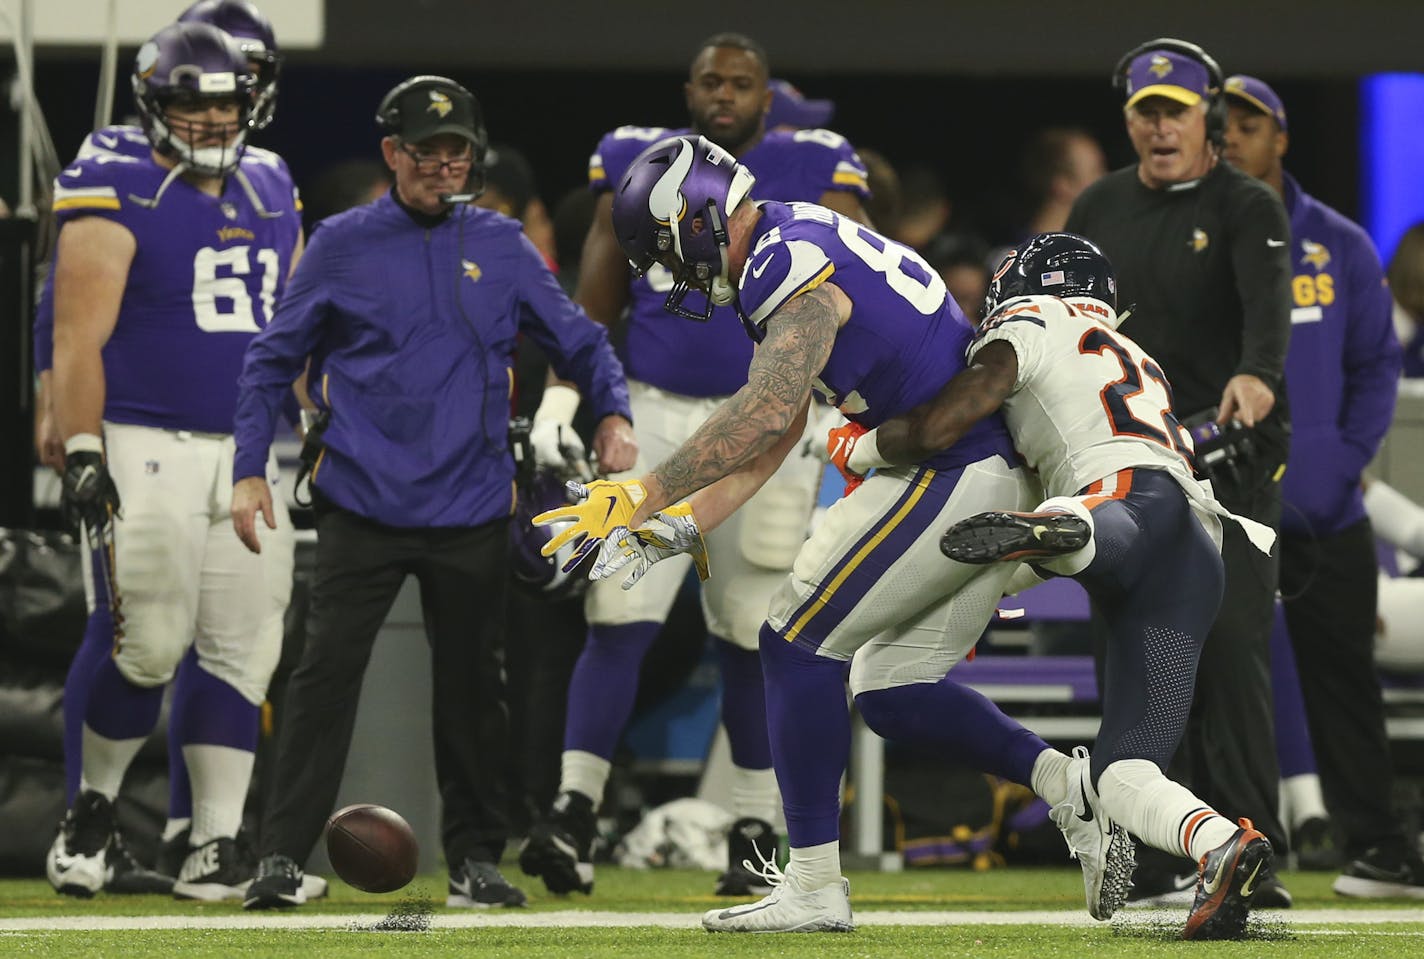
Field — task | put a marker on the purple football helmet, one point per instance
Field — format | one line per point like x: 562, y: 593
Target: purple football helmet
x: 190, y: 64
x: 253, y: 33
x: 672, y: 208
x: 544, y: 576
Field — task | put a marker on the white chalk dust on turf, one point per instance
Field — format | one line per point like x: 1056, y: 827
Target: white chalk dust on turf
x: 665, y: 920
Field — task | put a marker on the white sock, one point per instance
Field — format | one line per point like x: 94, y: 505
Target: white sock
x: 1070, y: 564
x: 105, y: 762
x: 585, y: 773
x: 754, y: 794
x: 814, y: 867
x: 173, y: 827
x: 220, y: 776
x: 1395, y: 517
x: 1164, y: 814
x: 1302, y: 799
x: 1050, y: 776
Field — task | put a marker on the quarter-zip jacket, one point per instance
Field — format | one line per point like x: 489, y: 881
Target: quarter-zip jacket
x: 411, y: 322
x: 1342, y: 369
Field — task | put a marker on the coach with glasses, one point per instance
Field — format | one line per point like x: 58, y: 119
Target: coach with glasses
x: 409, y: 309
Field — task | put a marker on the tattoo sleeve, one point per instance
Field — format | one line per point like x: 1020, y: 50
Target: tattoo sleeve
x: 798, y: 342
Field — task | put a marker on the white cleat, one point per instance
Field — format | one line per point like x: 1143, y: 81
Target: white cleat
x: 1102, y: 847
x: 788, y: 908
x: 314, y: 887
x: 77, y: 861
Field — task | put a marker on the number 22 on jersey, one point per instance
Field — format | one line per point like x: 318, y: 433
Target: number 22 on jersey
x: 1139, y: 399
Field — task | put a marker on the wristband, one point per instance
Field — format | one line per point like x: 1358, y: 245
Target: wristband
x: 866, y: 455
x: 559, y: 404
x: 84, y: 443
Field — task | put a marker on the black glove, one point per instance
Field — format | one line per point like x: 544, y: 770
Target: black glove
x: 89, y: 495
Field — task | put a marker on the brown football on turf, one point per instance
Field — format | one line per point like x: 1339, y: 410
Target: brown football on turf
x: 372, y: 847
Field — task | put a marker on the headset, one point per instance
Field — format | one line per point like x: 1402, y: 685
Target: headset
x: 389, y: 119
x: 1216, y: 100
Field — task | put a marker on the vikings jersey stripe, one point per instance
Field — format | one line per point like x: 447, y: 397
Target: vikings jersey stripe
x: 881, y: 542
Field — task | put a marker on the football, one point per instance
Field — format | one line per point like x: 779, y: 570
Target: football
x: 372, y: 847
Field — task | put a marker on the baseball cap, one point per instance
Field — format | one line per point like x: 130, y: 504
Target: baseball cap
x: 790, y: 108
x: 1259, y: 94
x: 427, y: 106
x: 1167, y: 73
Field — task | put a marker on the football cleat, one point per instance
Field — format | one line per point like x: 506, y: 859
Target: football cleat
x: 1102, y: 847
x: 77, y: 862
x: 128, y: 877
x: 278, y: 885
x: 479, y: 885
x: 1000, y: 536
x: 788, y: 908
x: 1382, y: 874
x: 1226, y: 883
x: 1155, y: 888
x: 750, y: 842
x: 559, y: 850
x: 213, y: 871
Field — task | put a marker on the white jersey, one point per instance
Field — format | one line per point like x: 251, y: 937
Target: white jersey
x: 1087, y: 401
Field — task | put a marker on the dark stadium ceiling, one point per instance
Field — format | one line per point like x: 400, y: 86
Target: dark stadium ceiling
x: 1305, y: 38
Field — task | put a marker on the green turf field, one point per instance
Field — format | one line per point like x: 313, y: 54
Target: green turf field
x: 1014, y: 913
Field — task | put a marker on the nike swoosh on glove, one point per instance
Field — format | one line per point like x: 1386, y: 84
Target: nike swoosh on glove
x: 669, y: 532
x: 596, y: 510
x: 840, y: 442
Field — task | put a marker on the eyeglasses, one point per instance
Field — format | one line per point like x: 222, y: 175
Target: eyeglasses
x: 427, y: 164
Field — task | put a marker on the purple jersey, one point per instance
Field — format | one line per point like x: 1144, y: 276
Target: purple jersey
x: 905, y: 337
x: 710, y: 359
x: 205, y: 277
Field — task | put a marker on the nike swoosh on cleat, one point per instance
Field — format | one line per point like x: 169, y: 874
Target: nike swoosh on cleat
x: 1087, y: 814
x: 1211, y: 885
x: 1248, y: 887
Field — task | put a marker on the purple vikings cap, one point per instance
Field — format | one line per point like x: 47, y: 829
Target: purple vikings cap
x: 1259, y: 95
x: 1166, y: 73
x: 789, y: 108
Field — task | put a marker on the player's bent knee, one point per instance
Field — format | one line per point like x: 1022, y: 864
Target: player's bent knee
x: 147, y: 666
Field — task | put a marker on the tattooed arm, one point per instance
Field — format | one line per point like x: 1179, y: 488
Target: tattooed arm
x: 754, y: 420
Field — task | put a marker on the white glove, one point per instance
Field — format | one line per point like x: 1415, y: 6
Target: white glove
x: 670, y: 532
x: 556, y: 445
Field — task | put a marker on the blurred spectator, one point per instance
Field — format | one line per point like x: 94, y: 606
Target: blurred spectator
x: 883, y: 206
x: 924, y: 206
x: 1406, y: 279
x: 961, y: 260
x: 1060, y: 163
x: 573, y: 215
x: 510, y: 189
x: 342, y: 186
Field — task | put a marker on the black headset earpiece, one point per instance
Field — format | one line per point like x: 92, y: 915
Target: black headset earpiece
x: 1216, y: 102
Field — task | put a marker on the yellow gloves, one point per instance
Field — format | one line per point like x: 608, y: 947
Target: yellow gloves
x: 600, y: 508
x: 669, y: 532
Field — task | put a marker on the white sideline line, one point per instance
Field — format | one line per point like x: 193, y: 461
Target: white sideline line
x: 664, y: 920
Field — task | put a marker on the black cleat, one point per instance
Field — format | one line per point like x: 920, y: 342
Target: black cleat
x: 127, y: 877
x: 750, y: 845
x: 479, y: 885
x: 77, y: 863
x: 1382, y: 874
x: 559, y: 849
x: 278, y: 885
x: 1226, y: 883
x: 1020, y: 537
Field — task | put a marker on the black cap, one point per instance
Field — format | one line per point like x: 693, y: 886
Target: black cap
x: 427, y: 106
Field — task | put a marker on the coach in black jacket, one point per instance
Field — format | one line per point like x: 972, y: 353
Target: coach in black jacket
x: 1201, y: 252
